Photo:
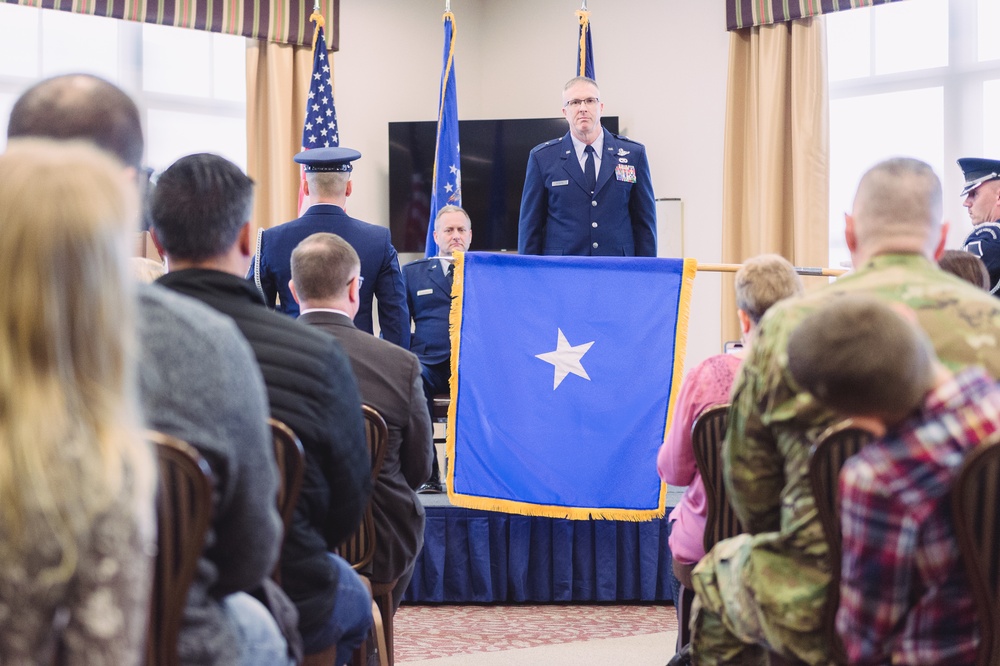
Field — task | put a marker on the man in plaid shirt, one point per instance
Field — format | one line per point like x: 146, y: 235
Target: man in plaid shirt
x: 904, y: 595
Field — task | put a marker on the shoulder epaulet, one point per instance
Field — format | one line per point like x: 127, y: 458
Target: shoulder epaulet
x: 551, y: 142
x: 417, y: 262
x: 622, y: 137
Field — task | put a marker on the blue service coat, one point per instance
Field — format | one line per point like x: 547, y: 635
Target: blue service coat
x: 560, y: 216
x: 984, y: 242
x: 428, y: 297
x: 271, y: 269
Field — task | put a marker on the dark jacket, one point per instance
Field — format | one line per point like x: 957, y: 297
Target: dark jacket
x: 198, y: 381
x: 379, y: 267
x: 390, y: 382
x: 311, y: 389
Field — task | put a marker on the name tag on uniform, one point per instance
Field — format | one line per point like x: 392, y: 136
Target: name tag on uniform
x: 625, y: 173
x: 424, y: 292
x: 557, y: 183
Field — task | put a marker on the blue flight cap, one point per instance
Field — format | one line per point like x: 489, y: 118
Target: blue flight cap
x: 977, y: 171
x: 327, y: 159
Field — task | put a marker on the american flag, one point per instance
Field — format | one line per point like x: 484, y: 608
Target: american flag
x: 447, y: 186
x: 320, y: 127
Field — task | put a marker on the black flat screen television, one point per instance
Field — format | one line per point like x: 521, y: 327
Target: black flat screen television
x: 494, y: 156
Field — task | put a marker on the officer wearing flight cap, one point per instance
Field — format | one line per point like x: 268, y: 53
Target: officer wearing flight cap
x: 326, y: 188
x: 982, y: 198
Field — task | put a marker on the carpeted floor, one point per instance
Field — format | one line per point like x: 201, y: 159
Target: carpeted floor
x: 578, y: 634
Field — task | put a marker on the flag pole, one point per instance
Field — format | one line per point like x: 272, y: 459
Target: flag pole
x: 816, y: 272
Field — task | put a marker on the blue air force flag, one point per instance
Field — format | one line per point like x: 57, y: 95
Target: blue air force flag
x: 446, y: 190
x: 563, y: 376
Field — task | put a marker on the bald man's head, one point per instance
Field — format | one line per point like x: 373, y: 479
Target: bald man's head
x: 80, y: 106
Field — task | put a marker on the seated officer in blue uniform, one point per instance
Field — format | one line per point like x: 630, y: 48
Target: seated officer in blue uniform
x: 428, y: 297
x: 589, y: 192
x: 326, y: 188
x: 982, y: 198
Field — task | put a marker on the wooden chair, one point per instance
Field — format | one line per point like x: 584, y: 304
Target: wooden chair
x: 359, y: 548
x: 291, y: 460
x: 707, y: 434
x: 827, y: 457
x: 184, y: 510
x: 975, y: 505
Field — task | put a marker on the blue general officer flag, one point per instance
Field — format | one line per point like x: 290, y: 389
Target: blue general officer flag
x: 585, y: 52
x: 447, y: 186
x: 564, y: 371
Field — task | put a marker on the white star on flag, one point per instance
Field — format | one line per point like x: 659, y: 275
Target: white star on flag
x: 566, y: 359
x: 448, y: 188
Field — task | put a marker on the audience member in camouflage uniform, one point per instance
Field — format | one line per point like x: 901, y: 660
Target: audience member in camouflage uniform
x: 768, y: 588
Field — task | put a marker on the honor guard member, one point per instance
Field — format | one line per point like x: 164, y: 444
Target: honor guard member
x: 588, y: 193
x: 326, y: 188
x: 982, y: 198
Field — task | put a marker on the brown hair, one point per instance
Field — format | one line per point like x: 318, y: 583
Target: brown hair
x: 860, y: 358
x: 967, y: 266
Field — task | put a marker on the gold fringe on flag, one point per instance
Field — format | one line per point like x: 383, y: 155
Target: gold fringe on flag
x: 584, y: 17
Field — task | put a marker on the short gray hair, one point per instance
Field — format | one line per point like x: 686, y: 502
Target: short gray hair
x: 898, y: 199
x: 764, y: 280
x: 444, y: 210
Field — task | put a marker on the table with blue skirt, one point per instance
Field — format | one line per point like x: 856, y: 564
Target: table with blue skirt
x: 474, y: 556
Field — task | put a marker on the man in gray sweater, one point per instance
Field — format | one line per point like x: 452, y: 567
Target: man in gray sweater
x: 199, y: 382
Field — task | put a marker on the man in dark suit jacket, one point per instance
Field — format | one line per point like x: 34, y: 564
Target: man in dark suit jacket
x: 428, y: 298
x: 325, y: 281
x: 326, y: 188
x: 200, y: 212
x: 589, y: 192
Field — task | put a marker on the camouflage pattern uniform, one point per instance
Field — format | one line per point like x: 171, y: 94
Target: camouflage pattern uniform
x: 768, y: 587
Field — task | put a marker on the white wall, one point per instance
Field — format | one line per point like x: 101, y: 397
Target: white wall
x: 661, y: 66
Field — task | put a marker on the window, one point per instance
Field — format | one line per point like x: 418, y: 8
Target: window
x: 190, y: 85
x: 919, y: 78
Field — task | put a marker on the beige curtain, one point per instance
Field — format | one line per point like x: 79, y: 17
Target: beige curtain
x: 277, y: 86
x: 776, y: 163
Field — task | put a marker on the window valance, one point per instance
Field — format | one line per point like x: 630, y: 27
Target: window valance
x: 749, y: 13
x: 283, y: 21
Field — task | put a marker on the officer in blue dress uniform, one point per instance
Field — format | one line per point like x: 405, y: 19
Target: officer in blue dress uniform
x: 982, y: 198
x: 428, y: 297
x: 327, y: 186
x: 589, y: 192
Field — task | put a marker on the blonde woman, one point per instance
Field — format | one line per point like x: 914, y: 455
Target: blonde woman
x: 76, y: 478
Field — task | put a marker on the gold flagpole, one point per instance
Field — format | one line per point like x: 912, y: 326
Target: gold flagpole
x: 816, y: 272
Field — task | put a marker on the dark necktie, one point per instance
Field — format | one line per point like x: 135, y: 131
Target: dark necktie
x: 451, y: 273
x: 589, y: 169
